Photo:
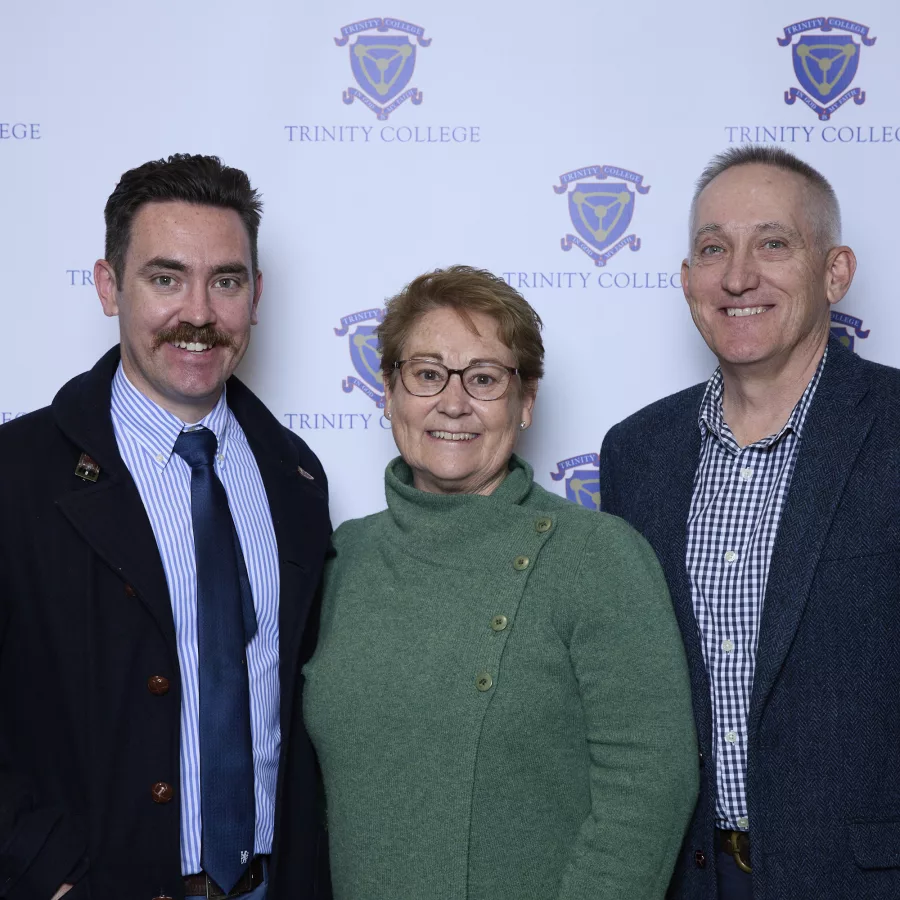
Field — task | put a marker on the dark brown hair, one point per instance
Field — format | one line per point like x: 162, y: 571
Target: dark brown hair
x: 190, y: 179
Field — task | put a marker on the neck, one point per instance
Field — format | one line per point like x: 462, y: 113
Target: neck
x: 188, y: 412
x: 758, y: 399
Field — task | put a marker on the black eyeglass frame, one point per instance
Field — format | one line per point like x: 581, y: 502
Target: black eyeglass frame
x: 450, y: 372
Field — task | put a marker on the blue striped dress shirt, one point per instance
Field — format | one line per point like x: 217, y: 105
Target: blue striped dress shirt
x: 146, y: 435
x: 739, y: 495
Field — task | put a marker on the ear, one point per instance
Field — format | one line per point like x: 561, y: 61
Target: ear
x: 530, y: 389
x: 840, y: 267
x: 107, y: 287
x: 257, y: 296
x: 685, y: 279
x: 388, y: 393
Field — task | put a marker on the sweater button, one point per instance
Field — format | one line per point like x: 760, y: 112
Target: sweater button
x: 543, y: 525
x: 521, y: 562
x: 483, y: 681
x: 699, y: 859
x: 498, y: 623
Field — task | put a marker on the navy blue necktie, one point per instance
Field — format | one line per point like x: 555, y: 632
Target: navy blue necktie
x: 226, y: 622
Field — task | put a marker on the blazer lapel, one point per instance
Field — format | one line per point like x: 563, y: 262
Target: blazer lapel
x: 299, y: 509
x: 110, y: 514
x: 670, y: 490
x: 834, y: 432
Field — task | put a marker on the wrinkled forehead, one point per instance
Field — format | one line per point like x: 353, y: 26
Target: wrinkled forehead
x: 744, y: 197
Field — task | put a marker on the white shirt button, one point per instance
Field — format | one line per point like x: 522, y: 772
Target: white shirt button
x: 730, y: 736
x: 160, y: 458
x: 727, y: 645
x: 746, y: 474
x: 743, y: 823
x: 730, y: 556
x: 221, y: 457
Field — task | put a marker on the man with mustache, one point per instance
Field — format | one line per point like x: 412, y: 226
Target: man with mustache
x: 161, y: 540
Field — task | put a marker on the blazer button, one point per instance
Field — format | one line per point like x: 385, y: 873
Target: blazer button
x: 162, y: 792
x: 498, y: 623
x: 130, y: 591
x: 158, y: 685
x: 699, y: 859
x: 544, y: 524
x: 521, y: 562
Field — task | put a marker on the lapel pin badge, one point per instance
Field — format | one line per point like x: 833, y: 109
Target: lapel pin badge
x: 87, y: 468
x: 304, y: 473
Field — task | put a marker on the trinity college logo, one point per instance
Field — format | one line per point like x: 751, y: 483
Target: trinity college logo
x: 825, y: 63
x: 364, y: 354
x: 382, y: 63
x: 838, y: 320
x: 583, y: 482
x: 601, y: 213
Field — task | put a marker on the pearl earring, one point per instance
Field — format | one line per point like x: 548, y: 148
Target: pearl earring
x: 522, y: 425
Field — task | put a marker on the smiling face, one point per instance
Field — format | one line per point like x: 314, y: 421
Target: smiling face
x: 185, y: 304
x: 758, y: 286
x: 453, y: 443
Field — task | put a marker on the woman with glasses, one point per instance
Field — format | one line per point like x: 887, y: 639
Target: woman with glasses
x: 499, y: 698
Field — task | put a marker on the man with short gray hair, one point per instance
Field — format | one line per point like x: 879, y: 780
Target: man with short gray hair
x: 770, y: 494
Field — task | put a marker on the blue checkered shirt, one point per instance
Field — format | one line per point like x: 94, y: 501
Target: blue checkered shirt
x: 739, y: 495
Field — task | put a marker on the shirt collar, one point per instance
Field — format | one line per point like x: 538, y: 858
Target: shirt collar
x: 155, y: 428
x: 712, y: 420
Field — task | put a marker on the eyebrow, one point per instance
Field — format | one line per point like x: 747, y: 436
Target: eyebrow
x: 174, y: 265
x: 780, y: 227
x: 426, y: 354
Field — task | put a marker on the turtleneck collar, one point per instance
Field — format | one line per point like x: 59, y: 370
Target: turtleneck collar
x: 431, y: 524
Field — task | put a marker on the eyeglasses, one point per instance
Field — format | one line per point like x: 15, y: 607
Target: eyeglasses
x: 482, y: 381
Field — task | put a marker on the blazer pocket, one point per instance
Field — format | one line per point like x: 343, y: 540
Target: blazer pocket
x: 875, y: 845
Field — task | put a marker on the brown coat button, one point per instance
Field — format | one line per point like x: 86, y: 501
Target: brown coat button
x: 162, y: 792
x: 699, y: 859
x: 130, y: 591
x: 158, y: 685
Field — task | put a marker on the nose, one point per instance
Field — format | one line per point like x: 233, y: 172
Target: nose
x: 453, y: 400
x: 741, y: 273
x: 198, y: 308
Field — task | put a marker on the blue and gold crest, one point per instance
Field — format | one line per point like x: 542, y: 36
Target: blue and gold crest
x: 582, y: 484
x: 826, y: 63
x: 601, y: 213
x: 839, y: 321
x: 383, y: 63
x: 365, y: 354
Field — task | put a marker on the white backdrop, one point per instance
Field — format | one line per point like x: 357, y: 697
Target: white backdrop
x: 498, y: 101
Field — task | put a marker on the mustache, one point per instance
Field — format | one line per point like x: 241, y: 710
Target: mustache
x: 191, y: 334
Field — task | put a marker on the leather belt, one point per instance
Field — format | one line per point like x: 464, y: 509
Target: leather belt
x: 201, y: 885
x: 736, y: 844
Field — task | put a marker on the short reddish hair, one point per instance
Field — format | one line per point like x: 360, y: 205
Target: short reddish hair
x: 465, y: 290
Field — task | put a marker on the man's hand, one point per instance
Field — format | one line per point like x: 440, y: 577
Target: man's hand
x: 63, y: 889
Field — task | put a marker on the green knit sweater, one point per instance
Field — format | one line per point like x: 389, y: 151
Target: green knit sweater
x: 499, y: 701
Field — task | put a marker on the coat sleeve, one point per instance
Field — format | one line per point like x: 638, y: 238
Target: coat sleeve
x: 629, y: 662
x: 608, y: 496
x: 40, y: 848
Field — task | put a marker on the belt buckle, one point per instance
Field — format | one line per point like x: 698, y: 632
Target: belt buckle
x: 733, y: 838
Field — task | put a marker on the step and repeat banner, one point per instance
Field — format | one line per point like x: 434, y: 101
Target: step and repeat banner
x: 388, y: 145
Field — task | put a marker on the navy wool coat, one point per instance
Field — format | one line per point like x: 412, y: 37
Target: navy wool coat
x: 823, y: 781
x: 86, y: 621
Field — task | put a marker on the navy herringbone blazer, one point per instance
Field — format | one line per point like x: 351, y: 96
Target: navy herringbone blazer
x: 823, y: 781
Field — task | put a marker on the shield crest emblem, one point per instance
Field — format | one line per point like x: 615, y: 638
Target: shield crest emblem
x: 382, y: 65
x: 583, y: 488
x: 366, y: 356
x: 601, y: 213
x: 843, y: 336
x: 825, y: 64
